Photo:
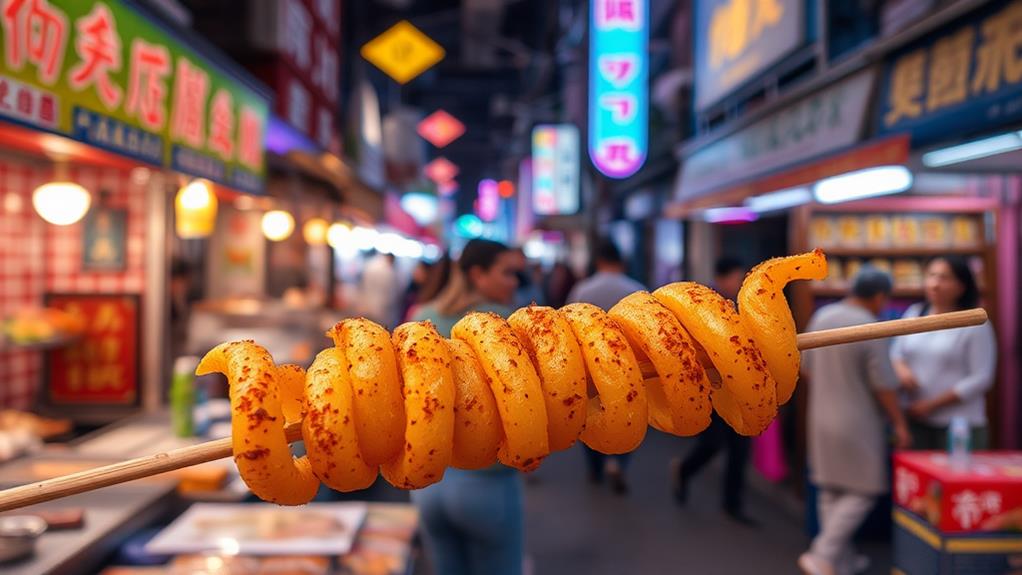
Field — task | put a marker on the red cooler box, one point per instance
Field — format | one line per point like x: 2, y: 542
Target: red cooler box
x: 951, y: 522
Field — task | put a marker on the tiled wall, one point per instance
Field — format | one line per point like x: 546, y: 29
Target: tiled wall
x: 37, y: 257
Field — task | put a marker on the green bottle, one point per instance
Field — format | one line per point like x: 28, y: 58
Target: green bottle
x: 182, y: 396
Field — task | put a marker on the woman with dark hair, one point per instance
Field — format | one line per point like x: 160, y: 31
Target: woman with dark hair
x: 428, y: 278
x: 946, y: 374
x: 473, y: 520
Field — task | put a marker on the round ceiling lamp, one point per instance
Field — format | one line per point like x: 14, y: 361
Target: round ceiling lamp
x: 61, y: 203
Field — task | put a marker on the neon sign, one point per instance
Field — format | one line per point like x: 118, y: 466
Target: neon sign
x: 618, y: 85
x: 555, y: 169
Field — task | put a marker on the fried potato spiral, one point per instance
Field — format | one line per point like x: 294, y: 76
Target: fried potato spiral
x: 410, y: 405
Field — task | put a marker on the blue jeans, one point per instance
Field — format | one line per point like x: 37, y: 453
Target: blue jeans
x: 472, y: 521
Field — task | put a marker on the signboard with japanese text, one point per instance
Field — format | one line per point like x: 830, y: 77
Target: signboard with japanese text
x: 737, y: 39
x: 102, y: 368
x: 555, y: 169
x: 959, y: 81
x: 103, y: 73
x: 618, y: 86
x: 827, y: 121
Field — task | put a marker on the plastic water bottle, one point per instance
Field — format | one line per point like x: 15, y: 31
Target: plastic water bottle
x: 182, y: 396
x: 958, y: 443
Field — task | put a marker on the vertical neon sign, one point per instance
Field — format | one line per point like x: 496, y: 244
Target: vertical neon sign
x: 618, y: 85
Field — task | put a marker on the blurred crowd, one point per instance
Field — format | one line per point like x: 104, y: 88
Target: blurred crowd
x: 864, y: 399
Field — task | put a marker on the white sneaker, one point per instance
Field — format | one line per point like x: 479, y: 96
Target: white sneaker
x: 812, y: 565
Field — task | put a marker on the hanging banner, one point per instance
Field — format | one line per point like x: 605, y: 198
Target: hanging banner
x: 618, y: 85
x: 102, y: 367
x: 104, y: 74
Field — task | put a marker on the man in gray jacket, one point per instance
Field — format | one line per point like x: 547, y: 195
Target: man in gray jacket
x: 852, y: 390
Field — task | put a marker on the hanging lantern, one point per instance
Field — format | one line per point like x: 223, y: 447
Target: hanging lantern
x: 314, y: 231
x: 195, y: 210
x: 278, y: 225
x: 61, y: 203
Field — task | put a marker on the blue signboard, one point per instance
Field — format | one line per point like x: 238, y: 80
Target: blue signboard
x: 737, y: 39
x: 963, y: 80
x: 618, y: 85
x: 115, y: 136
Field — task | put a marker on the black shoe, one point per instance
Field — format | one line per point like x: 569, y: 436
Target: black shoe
x: 741, y: 518
x: 617, y: 483
x: 679, y: 485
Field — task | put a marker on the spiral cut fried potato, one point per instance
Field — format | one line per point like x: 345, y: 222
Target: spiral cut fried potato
x: 412, y: 404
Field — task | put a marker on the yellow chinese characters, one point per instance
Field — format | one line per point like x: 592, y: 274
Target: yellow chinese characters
x: 974, y: 60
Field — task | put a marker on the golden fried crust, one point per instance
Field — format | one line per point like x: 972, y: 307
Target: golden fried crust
x: 261, y: 451
x: 425, y: 365
x: 329, y: 427
x: 477, y: 429
x: 616, y: 419
x: 554, y: 352
x: 767, y: 317
x: 292, y: 391
x: 515, y: 386
x: 747, y: 398
x: 679, y: 397
x: 379, y: 408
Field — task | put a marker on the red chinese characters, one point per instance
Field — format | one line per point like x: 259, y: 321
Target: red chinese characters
x: 147, y: 84
x: 221, y: 124
x: 35, y: 32
x: 188, y: 118
x: 99, y: 52
x: 985, y: 497
x: 250, y: 139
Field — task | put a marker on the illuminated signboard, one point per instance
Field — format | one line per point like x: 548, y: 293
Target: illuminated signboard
x: 737, y: 39
x: 440, y: 128
x: 105, y: 74
x: 441, y: 170
x: 488, y: 201
x: 403, y: 52
x: 618, y: 85
x: 555, y: 169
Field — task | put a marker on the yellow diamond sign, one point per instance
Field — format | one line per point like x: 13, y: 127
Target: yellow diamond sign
x: 403, y: 52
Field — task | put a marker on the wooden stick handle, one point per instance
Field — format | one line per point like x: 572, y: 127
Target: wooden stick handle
x: 896, y: 327
x: 150, y: 465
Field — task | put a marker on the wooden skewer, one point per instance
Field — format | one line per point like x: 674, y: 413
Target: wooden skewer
x: 141, y: 467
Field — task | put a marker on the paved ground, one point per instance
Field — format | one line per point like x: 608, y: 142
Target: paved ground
x: 573, y: 527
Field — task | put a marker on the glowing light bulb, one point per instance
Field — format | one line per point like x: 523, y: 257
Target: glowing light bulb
x: 278, y: 225
x: 315, y: 231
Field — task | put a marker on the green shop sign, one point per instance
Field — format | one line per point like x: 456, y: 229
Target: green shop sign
x: 104, y: 74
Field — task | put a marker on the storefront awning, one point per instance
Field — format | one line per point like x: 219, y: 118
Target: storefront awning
x: 888, y: 151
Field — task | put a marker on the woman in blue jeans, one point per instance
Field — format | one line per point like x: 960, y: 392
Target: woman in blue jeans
x: 472, y: 520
